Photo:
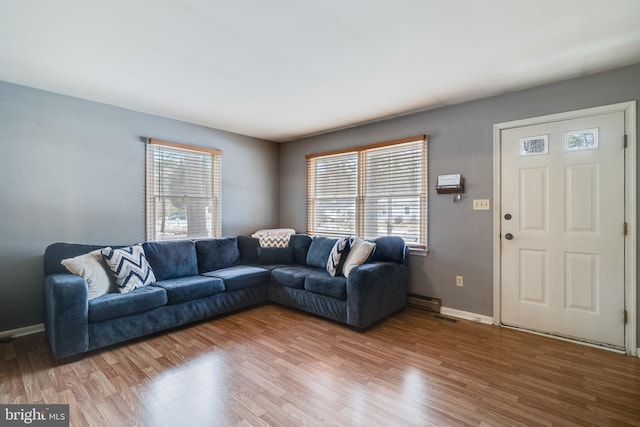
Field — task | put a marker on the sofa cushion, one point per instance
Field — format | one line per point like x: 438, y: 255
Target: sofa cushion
x: 248, y: 247
x: 359, y: 253
x: 189, y: 288
x: 293, y: 277
x: 240, y: 276
x: 92, y: 268
x: 270, y: 256
x: 300, y: 244
x: 172, y: 258
x: 319, y: 251
x: 111, y: 306
x: 390, y: 249
x: 322, y: 283
x: 214, y: 254
x: 130, y: 267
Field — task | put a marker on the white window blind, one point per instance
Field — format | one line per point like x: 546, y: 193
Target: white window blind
x: 370, y: 191
x: 333, y: 195
x: 394, y: 192
x: 183, y: 191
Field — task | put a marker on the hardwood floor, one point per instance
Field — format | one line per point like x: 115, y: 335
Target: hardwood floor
x: 280, y: 367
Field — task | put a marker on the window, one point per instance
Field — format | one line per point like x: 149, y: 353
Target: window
x: 371, y: 191
x: 332, y: 194
x: 182, y: 191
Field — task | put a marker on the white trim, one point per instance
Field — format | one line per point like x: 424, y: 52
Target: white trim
x: 497, y: 240
x: 630, y: 214
x: 20, y: 332
x: 466, y: 315
x: 629, y: 109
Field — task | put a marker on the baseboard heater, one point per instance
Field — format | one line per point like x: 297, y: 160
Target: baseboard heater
x: 424, y: 303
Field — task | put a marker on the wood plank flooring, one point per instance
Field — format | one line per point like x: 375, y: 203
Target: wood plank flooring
x: 273, y: 366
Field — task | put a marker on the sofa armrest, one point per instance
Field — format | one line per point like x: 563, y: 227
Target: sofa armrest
x: 374, y: 291
x: 66, y: 314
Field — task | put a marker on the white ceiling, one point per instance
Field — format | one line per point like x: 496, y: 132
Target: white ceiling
x: 284, y: 69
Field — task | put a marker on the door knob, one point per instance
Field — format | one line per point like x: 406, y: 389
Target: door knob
x: 508, y: 236
x: 507, y: 216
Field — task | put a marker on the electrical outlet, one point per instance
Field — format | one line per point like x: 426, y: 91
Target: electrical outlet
x: 481, y: 204
x: 459, y: 281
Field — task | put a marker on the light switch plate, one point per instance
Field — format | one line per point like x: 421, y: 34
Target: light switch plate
x: 481, y: 204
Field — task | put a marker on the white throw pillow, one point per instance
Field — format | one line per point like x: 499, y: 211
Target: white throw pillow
x: 92, y: 268
x: 359, y: 253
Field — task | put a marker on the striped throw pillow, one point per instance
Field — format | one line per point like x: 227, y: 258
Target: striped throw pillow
x: 130, y: 267
x: 336, y: 255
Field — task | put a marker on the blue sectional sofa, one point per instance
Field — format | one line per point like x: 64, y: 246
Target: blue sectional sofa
x: 199, y: 279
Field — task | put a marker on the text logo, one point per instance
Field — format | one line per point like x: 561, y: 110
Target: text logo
x: 34, y: 415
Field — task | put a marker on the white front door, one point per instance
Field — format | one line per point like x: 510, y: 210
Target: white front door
x: 562, y: 228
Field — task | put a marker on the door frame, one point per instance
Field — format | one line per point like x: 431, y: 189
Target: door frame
x: 630, y: 209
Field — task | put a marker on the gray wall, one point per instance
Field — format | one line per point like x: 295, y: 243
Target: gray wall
x: 460, y: 141
x: 73, y: 171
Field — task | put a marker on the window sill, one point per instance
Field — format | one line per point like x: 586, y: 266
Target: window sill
x: 418, y: 252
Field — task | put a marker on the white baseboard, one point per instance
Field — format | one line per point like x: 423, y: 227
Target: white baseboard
x: 20, y: 332
x: 466, y: 315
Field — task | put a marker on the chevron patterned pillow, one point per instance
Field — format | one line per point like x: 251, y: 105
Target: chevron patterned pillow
x: 337, y: 253
x: 275, y: 241
x: 130, y: 267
